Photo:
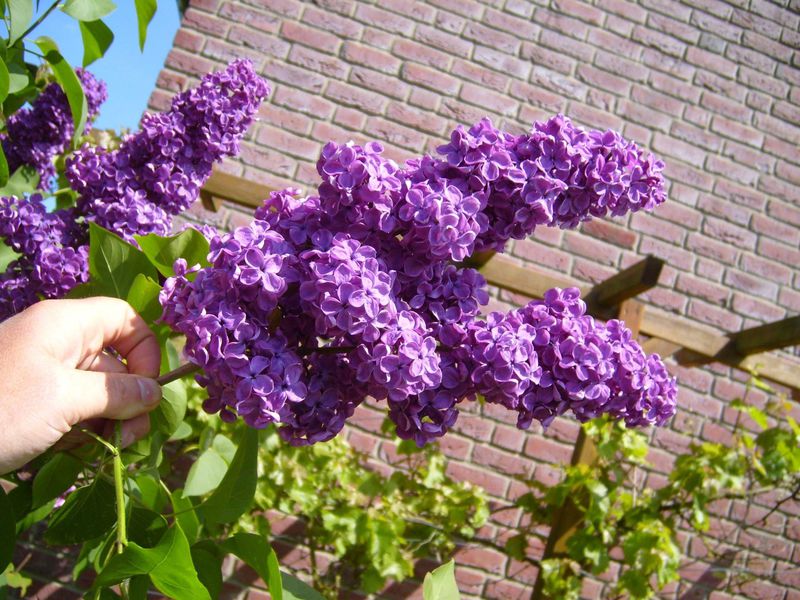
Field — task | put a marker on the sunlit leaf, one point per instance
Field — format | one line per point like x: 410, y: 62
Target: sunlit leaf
x: 97, y: 38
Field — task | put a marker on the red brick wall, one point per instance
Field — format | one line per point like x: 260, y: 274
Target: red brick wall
x: 711, y: 86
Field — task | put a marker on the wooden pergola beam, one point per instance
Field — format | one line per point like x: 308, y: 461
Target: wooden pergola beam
x: 780, y: 334
x: 631, y: 282
x: 223, y: 186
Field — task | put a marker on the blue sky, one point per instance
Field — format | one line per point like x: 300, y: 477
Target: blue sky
x: 129, y: 74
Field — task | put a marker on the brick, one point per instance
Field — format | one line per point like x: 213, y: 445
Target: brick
x: 493, y: 484
x: 720, y: 85
x: 286, y: 8
x: 263, y: 158
x: 754, y: 308
x: 394, y: 133
x: 784, y: 212
x: 423, y: 120
x: 382, y: 19
x: 418, y: 11
x: 469, y: 71
x: 370, y: 57
x: 695, y: 136
x: 758, y: 101
x: 673, y: 27
x: 356, y: 97
x: 721, y: 318
x: 376, y: 38
x: 724, y: 29
x: 263, y: 42
x: 609, y: 232
x: 571, y: 47
x: 209, y: 24
x: 541, y: 56
x: 678, y: 149
x: 451, y: 44
x: 537, y: 97
x: 766, y: 544
x: 460, y: 113
x: 729, y: 233
x: 712, y: 62
x: 523, y: 28
x: 449, y: 22
x: 643, y: 115
x: 596, y: 119
x: 434, y: 80
x: 340, y: 26
x: 284, y: 119
x: 542, y: 255
x: 424, y: 99
x: 694, y: 286
x: 726, y: 168
x: 601, y: 38
x: 751, y: 285
x: 499, y: 61
x: 312, y: 60
x: 688, y: 176
x: 188, y: 40
x: 307, y: 36
x: 580, y: 10
x: 420, y: 53
x: 765, y: 83
x: 783, y: 253
x: 751, y: 58
x: 659, y: 41
x: 487, y: 36
x: 546, y: 450
x: 188, y: 63
x: 657, y: 101
x: 287, y: 142
x: 749, y: 157
x: 674, y: 87
x: 486, y: 559
x: 296, y: 77
x: 738, y: 194
x: 621, y: 66
x: 776, y: 229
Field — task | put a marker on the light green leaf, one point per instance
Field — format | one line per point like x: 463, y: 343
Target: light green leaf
x: 143, y: 297
x: 88, y: 513
x: 234, y: 495
x: 54, y: 478
x: 20, y: 13
x: 169, y: 565
x: 206, y: 473
x: 186, y: 515
x: 114, y: 264
x: 145, y: 10
x: 3, y: 167
x: 440, y: 584
x: 5, y: 81
x: 172, y: 408
x: 164, y: 251
x: 256, y: 552
x: 19, y: 77
x: 97, y: 38
x: 7, y: 255
x: 88, y: 10
x: 23, y: 181
x: 294, y: 589
x: 8, y: 530
x: 69, y: 82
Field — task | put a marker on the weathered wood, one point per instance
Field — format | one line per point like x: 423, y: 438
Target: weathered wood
x: 661, y: 347
x: 505, y: 273
x: 626, y: 284
x: 780, y: 334
x: 631, y: 312
x: 223, y: 186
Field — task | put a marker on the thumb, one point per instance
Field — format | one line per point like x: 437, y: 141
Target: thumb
x: 120, y: 396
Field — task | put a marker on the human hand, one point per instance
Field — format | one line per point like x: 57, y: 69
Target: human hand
x: 55, y: 373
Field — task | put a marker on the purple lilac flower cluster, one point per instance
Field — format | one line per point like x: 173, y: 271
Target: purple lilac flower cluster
x: 35, y: 135
x: 359, y: 291
x: 134, y: 190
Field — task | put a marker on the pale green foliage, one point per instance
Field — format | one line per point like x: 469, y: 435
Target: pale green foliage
x: 644, y: 524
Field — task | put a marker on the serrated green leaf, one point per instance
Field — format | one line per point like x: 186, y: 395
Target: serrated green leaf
x: 8, y: 530
x: 114, y: 264
x: 294, y: 589
x: 256, y: 552
x: 55, y: 477
x: 97, y: 38
x: 169, y: 565
x: 69, y: 82
x: 440, y: 584
x: 235, y: 493
x: 145, y: 10
x: 87, y: 513
x: 88, y: 10
x: 20, y: 13
x: 164, y: 251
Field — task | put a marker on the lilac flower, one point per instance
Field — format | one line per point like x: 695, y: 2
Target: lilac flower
x: 37, y: 134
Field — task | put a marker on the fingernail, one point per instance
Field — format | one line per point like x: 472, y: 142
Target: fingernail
x: 150, y: 391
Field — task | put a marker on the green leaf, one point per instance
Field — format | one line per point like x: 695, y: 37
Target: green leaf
x: 54, y: 478
x: 169, y: 565
x: 114, y: 264
x: 440, y: 584
x: 164, y: 251
x: 69, y: 82
x: 235, y: 494
x: 256, y: 552
x: 8, y: 530
x: 19, y: 76
x: 15, y: 579
x: 7, y: 255
x: 146, y: 527
x: 5, y: 81
x: 209, y: 469
x: 97, y: 38
x: 23, y: 181
x: 88, y: 10
x: 186, y: 515
x: 20, y: 13
x: 294, y: 589
x: 172, y: 408
x: 208, y: 560
x: 143, y: 297
x: 88, y: 513
x: 3, y: 168
x: 516, y: 546
x: 145, y: 9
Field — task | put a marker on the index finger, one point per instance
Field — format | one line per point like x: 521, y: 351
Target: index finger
x: 81, y: 329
